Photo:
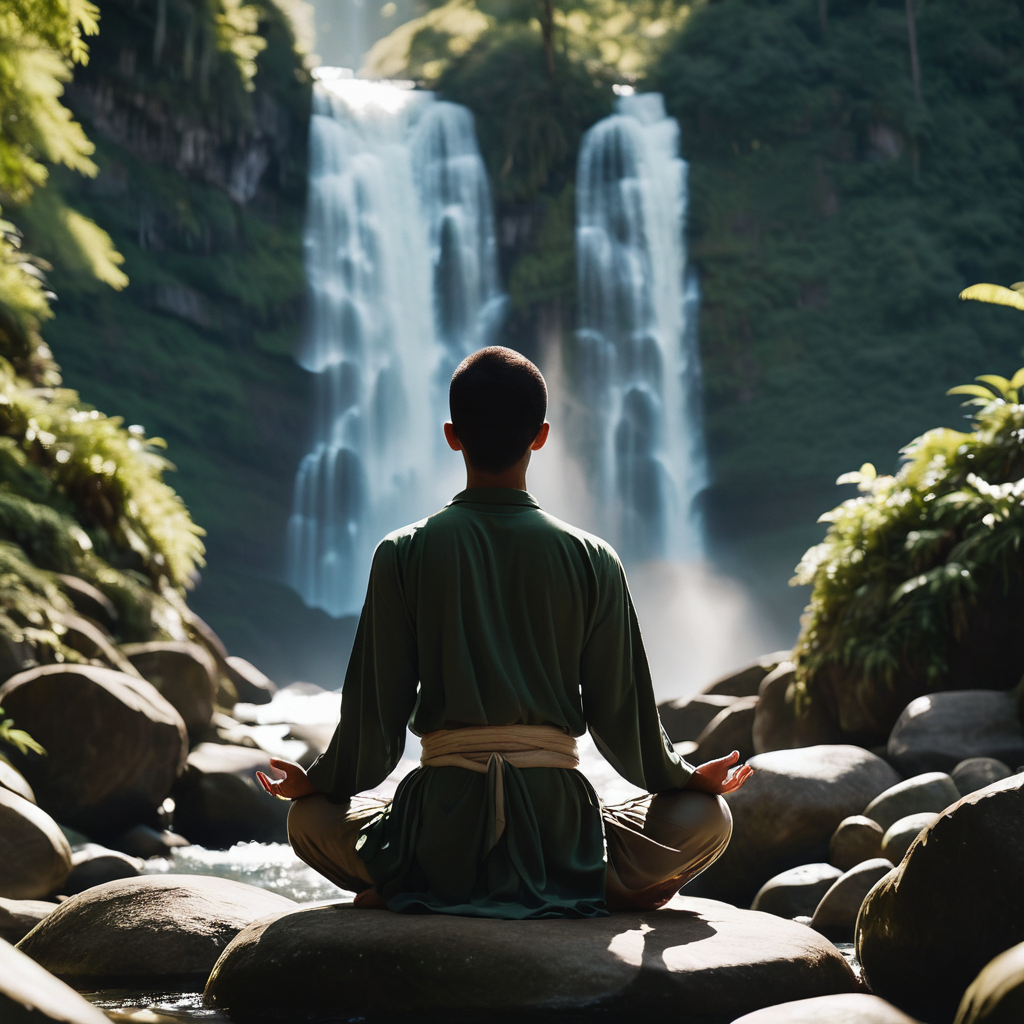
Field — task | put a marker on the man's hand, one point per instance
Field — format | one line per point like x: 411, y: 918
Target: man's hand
x: 719, y: 777
x: 295, y: 784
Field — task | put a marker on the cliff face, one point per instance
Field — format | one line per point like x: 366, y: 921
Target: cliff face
x: 200, y: 126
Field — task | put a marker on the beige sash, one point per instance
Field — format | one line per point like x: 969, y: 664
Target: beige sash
x: 486, y: 748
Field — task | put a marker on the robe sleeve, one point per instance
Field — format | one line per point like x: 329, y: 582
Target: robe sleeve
x: 380, y: 687
x: 618, y: 695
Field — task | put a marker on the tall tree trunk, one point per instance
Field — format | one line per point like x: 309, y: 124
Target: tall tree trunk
x: 547, y: 27
x: 915, y: 67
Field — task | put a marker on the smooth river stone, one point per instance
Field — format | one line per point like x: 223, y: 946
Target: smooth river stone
x: 953, y: 903
x: 697, y: 960
x: 166, y: 930
x: 996, y: 996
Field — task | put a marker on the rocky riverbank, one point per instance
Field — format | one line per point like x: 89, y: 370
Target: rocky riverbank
x: 912, y: 850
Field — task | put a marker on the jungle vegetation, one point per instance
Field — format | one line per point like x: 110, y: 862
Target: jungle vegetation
x: 80, y: 494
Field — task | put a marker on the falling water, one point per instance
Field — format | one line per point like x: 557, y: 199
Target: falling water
x: 401, y: 265
x: 636, y: 367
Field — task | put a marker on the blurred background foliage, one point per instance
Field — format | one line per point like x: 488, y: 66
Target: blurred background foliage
x: 839, y: 204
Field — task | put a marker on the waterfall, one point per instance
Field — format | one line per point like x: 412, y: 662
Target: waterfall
x: 635, y: 363
x: 401, y: 265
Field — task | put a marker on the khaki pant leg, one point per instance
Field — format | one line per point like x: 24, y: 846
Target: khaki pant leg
x: 324, y: 835
x: 656, y: 844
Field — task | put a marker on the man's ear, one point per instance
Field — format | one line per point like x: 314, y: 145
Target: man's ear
x: 452, y: 438
x: 540, y: 439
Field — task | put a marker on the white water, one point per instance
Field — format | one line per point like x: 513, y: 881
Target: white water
x: 635, y: 371
x: 401, y: 264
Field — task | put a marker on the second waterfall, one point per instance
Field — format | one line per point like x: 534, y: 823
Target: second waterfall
x: 402, y: 271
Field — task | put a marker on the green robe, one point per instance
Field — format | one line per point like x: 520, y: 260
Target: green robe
x: 492, y: 612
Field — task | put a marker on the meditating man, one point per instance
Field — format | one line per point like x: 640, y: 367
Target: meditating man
x: 499, y: 634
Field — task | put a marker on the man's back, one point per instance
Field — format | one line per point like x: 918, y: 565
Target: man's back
x: 492, y: 613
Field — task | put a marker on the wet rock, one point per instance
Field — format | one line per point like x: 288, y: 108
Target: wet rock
x: 687, y: 719
x: 114, y: 745
x: 836, y: 914
x: 31, y: 995
x: 796, y: 892
x: 184, y: 673
x: 251, y: 685
x: 144, y: 842
x: 12, y: 779
x: 901, y: 834
x: 955, y: 902
x: 219, y: 809
x: 35, y: 858
x: 747, y: 681
x: 996, y: 996
x: 166, y: 929
x: 90, y: 602
x: 786, y: 813
x: 978, y: 772
x: 729, y: 730
x: 932, y: 791
x: 938, y: 731
x: 778, y: 726
x: 848, y: 1008
x: 856, y: 840
x: 93, y: 865
x: 716, y: 961
x: 19, y: 917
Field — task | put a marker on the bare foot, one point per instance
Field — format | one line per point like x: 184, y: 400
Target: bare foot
x: 369, y: 899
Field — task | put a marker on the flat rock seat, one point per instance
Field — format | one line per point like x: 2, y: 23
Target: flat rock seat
x: 702, y: 961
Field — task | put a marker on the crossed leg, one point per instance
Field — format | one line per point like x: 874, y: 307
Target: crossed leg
x: 656, y: 843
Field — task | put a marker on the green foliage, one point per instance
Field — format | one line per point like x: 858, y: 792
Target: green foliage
x: 909, y: 564
x: 834, y: 218
x: 529, y: 125
x: 17, y: 738
x: 40, y: 41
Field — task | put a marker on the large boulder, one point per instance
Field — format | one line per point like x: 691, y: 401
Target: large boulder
x: 836, y: 914
x: 698, y: 960
x: 729, y: 730
x: 978, y: 772
x: 687, y: 719
x: 19, y: 917
x: 786, y: 813
x: 157, y: 929
x: 779, y: 725
x: 185, y: 673
x: 796, y: 892
x: 31, y: 995
x: 35, y: 858
x: 932, y: 791
x: 251, y: 685
x: 114, y: 745
x: 746, y: 681
x: 938, y: 731
x: 996, y: 996
x: 954, y: 902
x: 848, y: 1008
x: 857, y: 839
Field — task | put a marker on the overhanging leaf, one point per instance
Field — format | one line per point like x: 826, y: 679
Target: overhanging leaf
x: 995, y: 294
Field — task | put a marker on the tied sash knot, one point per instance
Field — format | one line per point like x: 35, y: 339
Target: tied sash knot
x: 486, y: 749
